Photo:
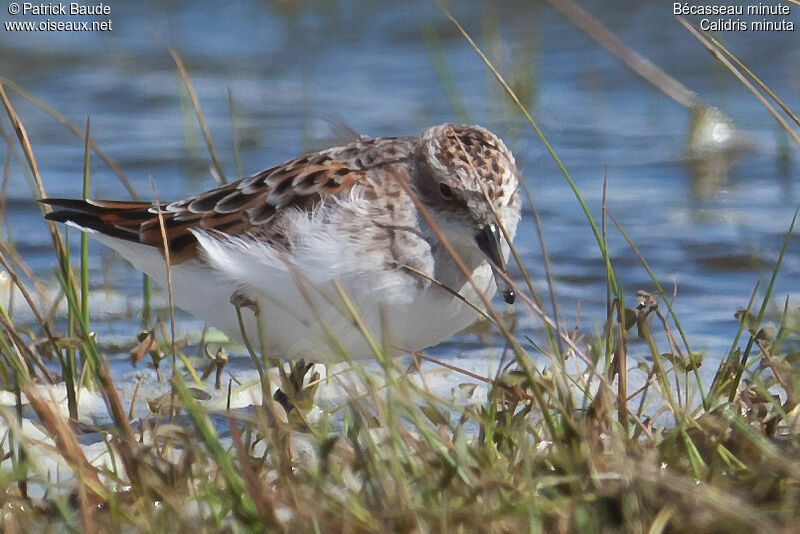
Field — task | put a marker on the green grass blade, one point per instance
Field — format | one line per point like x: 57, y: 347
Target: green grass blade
x: 536, y: 129
x: 762, y: 309
x: 84, y: 236
x: 123, y: 179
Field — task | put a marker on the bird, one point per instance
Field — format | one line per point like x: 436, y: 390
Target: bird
x: 385, y: 238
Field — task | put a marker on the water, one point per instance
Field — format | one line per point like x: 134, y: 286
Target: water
x: 290, y: 66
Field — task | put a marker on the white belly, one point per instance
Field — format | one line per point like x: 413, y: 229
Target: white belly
x: 316, y: 323
x: 304, y: 315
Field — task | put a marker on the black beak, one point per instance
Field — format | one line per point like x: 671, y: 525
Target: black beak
x: 488, y: 241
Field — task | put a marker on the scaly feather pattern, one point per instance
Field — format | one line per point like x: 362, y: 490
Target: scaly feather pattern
x: 343, y: 215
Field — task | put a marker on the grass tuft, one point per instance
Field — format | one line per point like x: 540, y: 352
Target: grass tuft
x: 595, y: 434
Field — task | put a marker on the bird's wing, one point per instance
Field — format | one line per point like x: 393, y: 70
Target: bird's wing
x: 242, y: 207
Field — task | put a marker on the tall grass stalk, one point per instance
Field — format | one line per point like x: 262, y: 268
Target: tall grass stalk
x: 762, y: 309
x: 84, y: 235
x: 212, y: 151
x: 392, y: 456
x: 722, y: 55
x: 75, y: 130
x: 537, y: 130
x: 168, y: 266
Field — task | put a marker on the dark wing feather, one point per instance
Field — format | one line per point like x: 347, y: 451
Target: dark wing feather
x: 240, y: 207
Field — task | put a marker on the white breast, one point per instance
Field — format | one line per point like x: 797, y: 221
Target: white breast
x: 304, y: 314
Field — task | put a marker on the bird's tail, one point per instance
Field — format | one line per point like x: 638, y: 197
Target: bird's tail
x: 122, y: 220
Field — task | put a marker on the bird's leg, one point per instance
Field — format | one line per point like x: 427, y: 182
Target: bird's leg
x: 217, y: 363
x: 240, y: 300
x: 282, y: 430
x: 292, y: 392
x: 415, y: 366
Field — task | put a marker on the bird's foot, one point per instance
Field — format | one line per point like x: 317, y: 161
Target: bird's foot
x: 216, y: 364
x: 295, y: 394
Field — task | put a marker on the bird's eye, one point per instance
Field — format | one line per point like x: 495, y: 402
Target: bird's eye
x: 446, y: 192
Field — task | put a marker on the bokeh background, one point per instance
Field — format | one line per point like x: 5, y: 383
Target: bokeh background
x: 297, y: 71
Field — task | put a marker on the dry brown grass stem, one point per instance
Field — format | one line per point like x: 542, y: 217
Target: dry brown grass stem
x: 27, y: 149
x: 115, y: 168
x: 199, y: 112
x: 700, y: 35
x: 630, y: 58
x: 90, y: 489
